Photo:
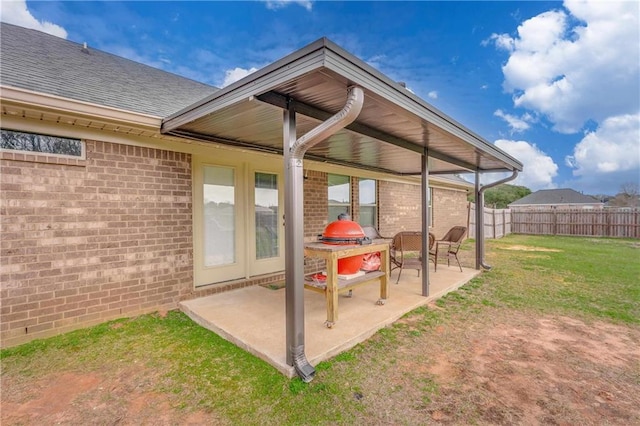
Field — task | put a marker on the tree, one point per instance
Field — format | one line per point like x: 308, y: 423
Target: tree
x: 629, y: 196
x: 502, y: 195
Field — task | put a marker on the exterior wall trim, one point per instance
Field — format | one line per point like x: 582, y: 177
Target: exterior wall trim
x: 30, y: 99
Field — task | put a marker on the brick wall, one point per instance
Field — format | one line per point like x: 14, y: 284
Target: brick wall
x: 400, y: 208
x: 85, y: 241
x: 355, y: 198
x: 450, y: 208
x: 316, y: 207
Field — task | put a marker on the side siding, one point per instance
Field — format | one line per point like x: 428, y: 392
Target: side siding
x: 86, y: 241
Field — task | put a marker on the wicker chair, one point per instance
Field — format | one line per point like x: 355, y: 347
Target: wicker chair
x: 448, y: 246
x: 405, y: 251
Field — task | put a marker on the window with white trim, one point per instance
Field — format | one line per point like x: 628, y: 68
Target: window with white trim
x: 46, y: 144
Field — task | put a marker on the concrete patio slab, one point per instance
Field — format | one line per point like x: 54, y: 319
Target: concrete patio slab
x: 253, y: 318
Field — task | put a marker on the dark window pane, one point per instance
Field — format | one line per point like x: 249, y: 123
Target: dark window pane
x: 32, y: 142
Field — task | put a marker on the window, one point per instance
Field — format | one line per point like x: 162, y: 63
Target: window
x: 339, y: 196
x: 368, y: 202
x: 32, y: 142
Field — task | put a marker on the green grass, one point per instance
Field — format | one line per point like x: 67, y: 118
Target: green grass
x: 584, y: 277
x: 594, y: 279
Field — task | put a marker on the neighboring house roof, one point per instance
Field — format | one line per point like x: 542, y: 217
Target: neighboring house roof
x: 555, y: 197
x: 43, y: 63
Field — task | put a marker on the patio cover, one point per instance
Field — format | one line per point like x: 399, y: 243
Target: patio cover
x: 390, y: 134
x: 393, y: 132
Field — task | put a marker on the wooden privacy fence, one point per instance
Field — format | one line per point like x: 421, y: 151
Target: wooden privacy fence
x: 497, y: 222
x: 609, y: 222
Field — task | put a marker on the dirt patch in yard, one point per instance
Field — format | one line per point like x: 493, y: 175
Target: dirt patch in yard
x: 500, y: 367
x: 514, y: 370
x: 75, y: 398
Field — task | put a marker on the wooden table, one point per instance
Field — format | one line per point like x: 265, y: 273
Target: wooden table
x: 334, y: 284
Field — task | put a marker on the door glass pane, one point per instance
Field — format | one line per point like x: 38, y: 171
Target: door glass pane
x: 266, y: 208
x: 219, y: 216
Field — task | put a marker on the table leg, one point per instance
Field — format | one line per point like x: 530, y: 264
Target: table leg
x: 332, y: 292
x: 384, y: 280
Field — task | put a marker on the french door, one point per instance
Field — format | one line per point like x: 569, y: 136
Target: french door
x: 238, y: 229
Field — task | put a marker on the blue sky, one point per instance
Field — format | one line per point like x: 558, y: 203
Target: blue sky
x: 556, y: 84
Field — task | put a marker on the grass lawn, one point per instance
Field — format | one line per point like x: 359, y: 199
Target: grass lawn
x: 549, y: 335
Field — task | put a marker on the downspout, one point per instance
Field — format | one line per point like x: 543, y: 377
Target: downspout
x: 294, y: 151
x: 346, y: 116
x: 480, y: 216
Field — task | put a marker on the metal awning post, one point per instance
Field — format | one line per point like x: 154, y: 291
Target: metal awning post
x: 425, y: 222
x: 293, y: 151
x: 294, y: 232
x: 480, y: 215
x: 479, y: 196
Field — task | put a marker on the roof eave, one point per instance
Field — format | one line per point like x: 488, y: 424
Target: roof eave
x: 29, y: 99
x: 325, y: 54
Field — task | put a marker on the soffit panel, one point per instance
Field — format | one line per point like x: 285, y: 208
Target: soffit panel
x: 251, y: 121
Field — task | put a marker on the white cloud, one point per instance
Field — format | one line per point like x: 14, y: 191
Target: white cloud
x: 279, y: 4
x: 539, y: 169
x: 433, y: 94
x: 517, y: 124
x: 571, y: 72
x: 231, y: 76
x: 612, y: 148
x: 16, y: 12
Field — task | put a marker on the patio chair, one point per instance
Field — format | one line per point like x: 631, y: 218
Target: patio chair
x: 448, y: 246
x: 373, y: 233
x: 405, y: 251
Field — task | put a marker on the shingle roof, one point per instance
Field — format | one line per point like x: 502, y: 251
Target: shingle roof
x: 555, y: 196
x: 44, y: 63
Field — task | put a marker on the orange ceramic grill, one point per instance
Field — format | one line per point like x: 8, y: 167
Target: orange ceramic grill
x: 345, y: 232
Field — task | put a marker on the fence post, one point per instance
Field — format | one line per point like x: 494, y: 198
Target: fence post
x: 469, y: 217
x: 493, y: 213
x: 504, y: 222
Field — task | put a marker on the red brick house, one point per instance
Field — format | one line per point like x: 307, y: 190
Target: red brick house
x: 118, y: 199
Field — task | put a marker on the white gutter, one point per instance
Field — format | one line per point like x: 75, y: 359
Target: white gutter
x: 28, y: 99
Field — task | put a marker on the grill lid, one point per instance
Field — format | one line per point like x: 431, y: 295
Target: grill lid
x: 344, y: 232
